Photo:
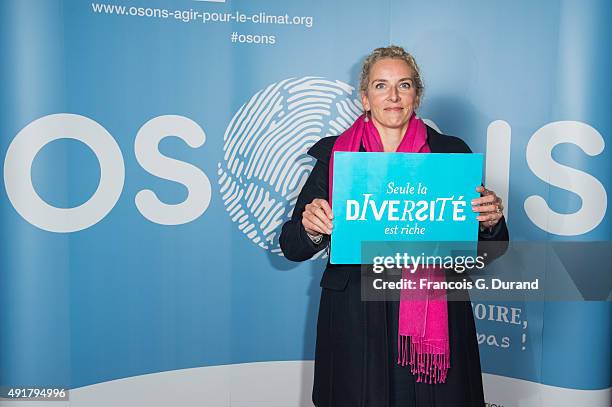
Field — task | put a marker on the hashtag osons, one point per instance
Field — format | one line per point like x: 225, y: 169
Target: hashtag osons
x: 234, y: 36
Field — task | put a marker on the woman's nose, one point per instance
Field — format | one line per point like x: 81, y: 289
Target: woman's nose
x: 394, y: 96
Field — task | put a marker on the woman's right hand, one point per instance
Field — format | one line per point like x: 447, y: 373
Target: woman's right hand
x: 317, y: 217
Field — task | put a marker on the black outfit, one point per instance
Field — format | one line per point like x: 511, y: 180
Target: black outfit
x: 356, y: 349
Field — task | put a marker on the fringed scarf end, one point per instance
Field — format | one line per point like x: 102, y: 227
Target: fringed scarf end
x: 426, y: 362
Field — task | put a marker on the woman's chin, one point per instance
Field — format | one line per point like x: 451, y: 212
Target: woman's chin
x: 394, y: 124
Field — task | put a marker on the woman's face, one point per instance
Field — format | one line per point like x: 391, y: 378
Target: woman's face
x: 391, y: 96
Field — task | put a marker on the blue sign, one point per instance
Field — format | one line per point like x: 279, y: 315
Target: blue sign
x: 402, y: 197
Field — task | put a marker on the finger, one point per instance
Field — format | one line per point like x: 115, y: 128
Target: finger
x: 486, y: 191
x: 483, y: 209
x: 484, y: 217
x: 499, y: 203
x: 313, y: 231
x: 315, y: 223
x: 484, y: 200
x: 489, y: 217
x: 313, y: 228
x: 323, y: 204
x: 318, y: 212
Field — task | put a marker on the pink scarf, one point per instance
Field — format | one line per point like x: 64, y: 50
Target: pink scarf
x: 423, y: 314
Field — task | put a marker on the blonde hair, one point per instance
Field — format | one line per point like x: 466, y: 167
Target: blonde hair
x: 393, y: 52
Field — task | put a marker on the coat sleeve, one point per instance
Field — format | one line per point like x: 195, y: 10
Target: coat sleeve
x: 294, y: 242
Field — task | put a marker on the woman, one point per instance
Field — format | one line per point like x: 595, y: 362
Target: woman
x: 356, y: 358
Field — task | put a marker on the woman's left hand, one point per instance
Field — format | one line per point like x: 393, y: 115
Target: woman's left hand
x: 490, y: 207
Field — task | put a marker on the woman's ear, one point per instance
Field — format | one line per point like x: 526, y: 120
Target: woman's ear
x: 365, y: 102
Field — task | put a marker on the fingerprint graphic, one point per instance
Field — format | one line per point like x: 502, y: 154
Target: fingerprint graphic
x: 265, y: 163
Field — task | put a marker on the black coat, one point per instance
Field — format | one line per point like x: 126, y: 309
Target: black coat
x: 355, y: 350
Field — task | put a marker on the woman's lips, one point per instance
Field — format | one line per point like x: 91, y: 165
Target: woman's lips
x: 394, y: 109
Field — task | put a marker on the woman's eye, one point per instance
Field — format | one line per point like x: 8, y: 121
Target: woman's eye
x: 405, y: 85
x: 379, y: 86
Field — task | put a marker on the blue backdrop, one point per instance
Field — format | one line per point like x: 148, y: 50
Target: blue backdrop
x: 166, y: 285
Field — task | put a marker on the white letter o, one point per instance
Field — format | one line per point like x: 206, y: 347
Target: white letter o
x: 18, y: 165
